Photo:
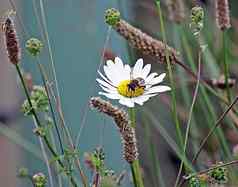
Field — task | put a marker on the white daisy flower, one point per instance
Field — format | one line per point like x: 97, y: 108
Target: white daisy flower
x: 130, y: 85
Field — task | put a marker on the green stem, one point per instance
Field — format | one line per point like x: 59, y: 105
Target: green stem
x: 44, y: 80
x: 174, y: 107
x: 189, y: 118
x: 135, y: 166
x: 47, y: 142
x: 207, y: 106
x: 226, y: 66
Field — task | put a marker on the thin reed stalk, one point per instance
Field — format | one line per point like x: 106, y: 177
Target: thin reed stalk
x: 221, y: 118
x: 45, y: 156
x: 171, y: 79
x: 190, y: 117
x: 206, y: 102
x: 44, y: 80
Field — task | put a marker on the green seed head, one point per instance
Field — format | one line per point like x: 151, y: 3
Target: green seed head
x: 194, y: 182
x: 112, y: 16
x: 197, y: 19
x: 39, y: 180
x: 39, y: 101
x: 34, y: 46
x: 23, y: 172
x: 219, y: 175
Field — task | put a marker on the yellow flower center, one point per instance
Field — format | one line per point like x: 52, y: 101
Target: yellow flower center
x: 129, y: 89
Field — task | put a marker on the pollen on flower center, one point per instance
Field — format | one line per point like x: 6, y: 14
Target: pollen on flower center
x: 124, y: 89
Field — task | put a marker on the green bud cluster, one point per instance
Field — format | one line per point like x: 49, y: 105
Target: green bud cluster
x: 23, y: 172
x: 112, y: 16
x: 98, y: 158
x: 39, y: 101
x: 39, y: 180
x: 194, y: 182
x: 34, y: 46
x: 219, y: 175
x: 197, y: 19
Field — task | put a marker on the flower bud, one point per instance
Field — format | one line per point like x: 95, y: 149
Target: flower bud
x: 23, y: 172
x: 112, y: 16
x: 39, y: 180
x: 197, y: 18
x: 34, y: 46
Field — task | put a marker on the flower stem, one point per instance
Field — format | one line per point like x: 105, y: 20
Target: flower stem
x: 135, y: 166
x: 38, y: 123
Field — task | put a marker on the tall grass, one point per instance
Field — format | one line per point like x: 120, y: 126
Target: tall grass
x: 201, y: 107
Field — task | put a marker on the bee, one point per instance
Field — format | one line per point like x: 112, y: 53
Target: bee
x: 136, y: 83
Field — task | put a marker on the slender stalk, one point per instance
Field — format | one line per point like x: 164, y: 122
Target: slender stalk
x: 92, y: 88
x: 135, y: 166
x: 174, y: 107
x: 221, y: 118
x: 51, y: 149
x: 46, y: 161
x: 226, y: 66
x: 207, y: 104
x: 82, y: 175
x: 70, y: 142
x: 189, y: 118
x: 44, y: 80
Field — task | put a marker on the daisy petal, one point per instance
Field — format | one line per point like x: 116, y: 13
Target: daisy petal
x: 137, y: 70
x: 150, y: 77
x: 108, y: 90
x: 146, y: 71
x: 127, y: 102
x: 158, y: 89
x: 127, y: 72
x: 158, y: 79
x: 105, y: 79
x: 141, y: 99
x: 107, y: 85
x: 110, y: 95
x: 118, y: 63
x: 113, y: 74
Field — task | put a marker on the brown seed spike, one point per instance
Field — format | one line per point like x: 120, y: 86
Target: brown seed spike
x: 11, y: 41
x: 130, y: 152
x: 145, y: 43
x: 223, y: 14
